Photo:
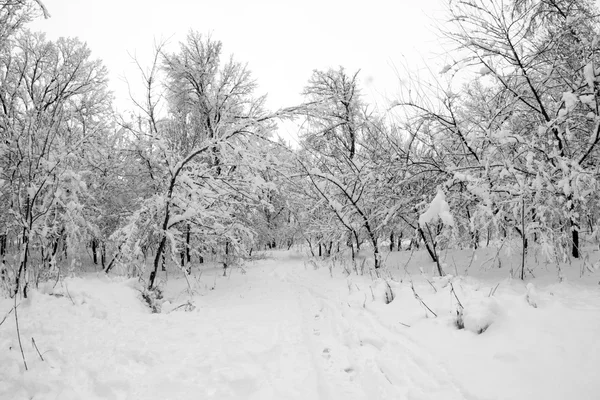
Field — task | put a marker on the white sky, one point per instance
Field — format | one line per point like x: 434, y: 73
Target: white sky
x: 282, y: 41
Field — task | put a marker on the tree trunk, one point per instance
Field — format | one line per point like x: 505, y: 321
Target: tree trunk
x: 574, y: 227
x: 575, y: 237
x: 157, y: 258
x: 114, y: 259
x: 94, y: 251
x: 25, y: 251
x: 376, y: 257
x: 357, y: 241
x: 432, y: 251
x: 391, y: 241
x: 312, y: 252
x: 475, y: 239
x: 3, y: 240
x: 524, y: 241
x: 54, y: 252
x: 65, y: 247
x: 165, y: 226
x: 187, y: 244
x: 474, y: 233
x: 226, y: 257
x: 103, y: 254
x: 23, y: 264
x: 533, y: 219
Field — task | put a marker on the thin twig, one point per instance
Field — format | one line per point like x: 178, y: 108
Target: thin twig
x: 471, y: 261
x: 493, y: 290
x: 19, y: 334
x: 431, y: 284
x: 455, y: 296
x: 178, y: 307
x: 36, y: 348
x: 69, y: 294
x: 421, y: 300
x: 412, y: 250
x: 7, y: 314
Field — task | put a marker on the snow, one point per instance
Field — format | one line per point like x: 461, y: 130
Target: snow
x: 438, y: 208
x: 588, y: 99
x: 485, y: 70
x: 285, y: 327
x: 446, y: 68
x: 570, y: 100
x: 480, y: 313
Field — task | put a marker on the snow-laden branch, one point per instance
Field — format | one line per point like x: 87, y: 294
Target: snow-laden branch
x: 438, y: 208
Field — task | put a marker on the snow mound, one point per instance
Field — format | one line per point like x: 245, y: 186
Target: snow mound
x: 478, y: 314
x: 382, y: 291
x: 531, y: 296
x: 73, y: 333
x: 92, y: 294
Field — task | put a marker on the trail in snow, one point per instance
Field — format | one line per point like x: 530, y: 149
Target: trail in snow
x: 360, y: 357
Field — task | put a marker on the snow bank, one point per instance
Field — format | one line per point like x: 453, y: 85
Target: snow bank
x: 478, y: 314
x: 518, y: 343
x: 67, y: 322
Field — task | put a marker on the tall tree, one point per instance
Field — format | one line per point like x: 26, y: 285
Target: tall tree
x: 206, y: 152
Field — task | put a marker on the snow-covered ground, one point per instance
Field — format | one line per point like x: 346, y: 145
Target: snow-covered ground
x: 291, y: 328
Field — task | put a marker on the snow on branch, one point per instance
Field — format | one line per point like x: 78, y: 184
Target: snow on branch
x: 43, y: 8
x: 438, y: 208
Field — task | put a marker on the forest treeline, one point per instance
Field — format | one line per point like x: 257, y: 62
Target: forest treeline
x: 506, y: 136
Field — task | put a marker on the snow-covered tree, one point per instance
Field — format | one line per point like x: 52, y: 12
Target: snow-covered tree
x: 334, y: 160
x: 516, y: 145
x: 207, y: 153
x: 539, y: 58
x: 53, y: 97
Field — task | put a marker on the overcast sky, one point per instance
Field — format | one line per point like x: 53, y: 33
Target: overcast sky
x: 282, y: 41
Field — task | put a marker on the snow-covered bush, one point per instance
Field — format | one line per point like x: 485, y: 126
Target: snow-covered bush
x: 152, y: 298
x: 382, y: 291
x: 478, y: 314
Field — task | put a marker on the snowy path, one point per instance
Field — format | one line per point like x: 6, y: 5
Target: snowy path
x: 363, y: 359
x: 274, y: 333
